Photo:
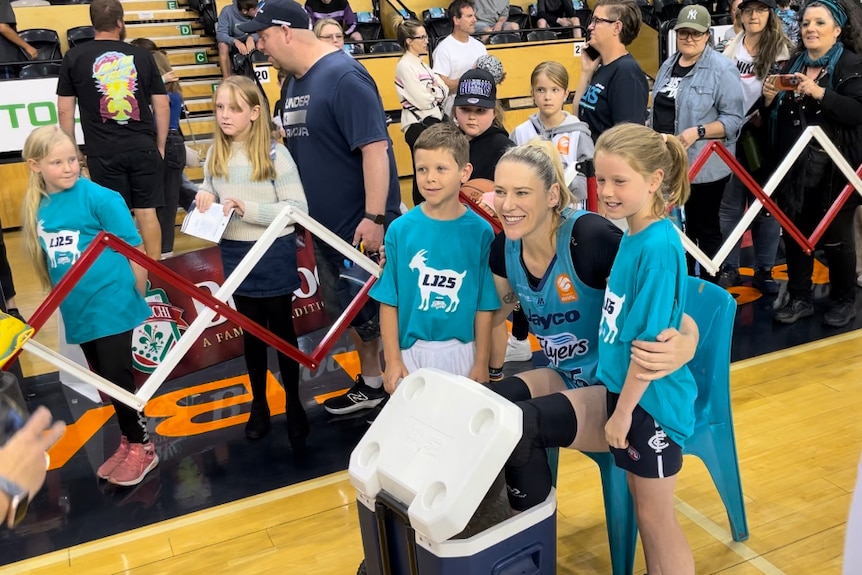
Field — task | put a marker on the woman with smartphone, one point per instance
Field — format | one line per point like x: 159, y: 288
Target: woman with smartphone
x: 760, y: 49
x: 820, y: 86
x: 612, y: 88
x: 697, y: 96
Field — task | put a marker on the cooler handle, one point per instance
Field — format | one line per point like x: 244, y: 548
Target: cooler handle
x: 383, y: 505
x: 527, y: 561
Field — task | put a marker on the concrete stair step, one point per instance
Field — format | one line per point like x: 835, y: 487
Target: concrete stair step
x: 195, y: 174
x: 143, y: 5
x: 161, y: 32
x: 193, y: 41
x: 175, y: 15
x: 198, y: 71
x: 202, y: 126
x: 198, y: 105
x: 199, y: 88
x: 189, y: 56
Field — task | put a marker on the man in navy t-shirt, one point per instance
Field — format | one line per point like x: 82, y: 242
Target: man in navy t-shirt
x: 336, y: 132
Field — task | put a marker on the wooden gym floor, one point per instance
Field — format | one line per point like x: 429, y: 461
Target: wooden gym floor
x: 242, y: 508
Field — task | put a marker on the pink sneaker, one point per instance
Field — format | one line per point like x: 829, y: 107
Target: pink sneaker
x: 113, y: 461
x: 141, y: 460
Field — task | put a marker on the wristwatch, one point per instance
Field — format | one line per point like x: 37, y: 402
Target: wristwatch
x: 378, y: 219
x: 701, y: 132
x: 19, y: 500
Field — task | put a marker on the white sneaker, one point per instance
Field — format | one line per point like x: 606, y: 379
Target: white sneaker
x: 859, y: 280
x: 518, y: 350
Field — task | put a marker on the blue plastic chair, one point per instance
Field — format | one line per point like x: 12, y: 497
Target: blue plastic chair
x: 713, y: 440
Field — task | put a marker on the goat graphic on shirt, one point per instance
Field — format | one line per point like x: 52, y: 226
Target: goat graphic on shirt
x: 611, y: 309
x: 441, y: 283
x: 61, y: 246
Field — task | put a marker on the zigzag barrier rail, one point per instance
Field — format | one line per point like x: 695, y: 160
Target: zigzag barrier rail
x: 215, y: 305
x: 763, y: 195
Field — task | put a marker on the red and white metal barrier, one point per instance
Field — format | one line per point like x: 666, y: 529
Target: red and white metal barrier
x: 763, y: 195
x: 214, y: 303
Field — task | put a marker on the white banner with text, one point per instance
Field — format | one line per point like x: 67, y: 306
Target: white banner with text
x: 24, y: 106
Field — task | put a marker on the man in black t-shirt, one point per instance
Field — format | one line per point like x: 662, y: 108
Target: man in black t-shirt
x: 124, y: 115
x: 11, y: 44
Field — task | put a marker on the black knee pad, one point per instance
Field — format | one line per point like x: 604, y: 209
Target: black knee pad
x: 529, y: 435
x: 529, y: 484
x: 512, y: 388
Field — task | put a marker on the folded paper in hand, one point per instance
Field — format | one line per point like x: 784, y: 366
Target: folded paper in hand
x: 208, y: 225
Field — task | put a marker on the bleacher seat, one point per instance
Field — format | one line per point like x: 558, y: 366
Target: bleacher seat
x: 539, y: 35
x: 505, y: 38
x: 385, y: 48
x: 40, y: 70
x: 437, y: 24
x: 46, y: 41
x: 79, y: 35
x: 516, y: 15
x: 368, y: 25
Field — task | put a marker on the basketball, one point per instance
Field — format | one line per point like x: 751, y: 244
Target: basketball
x: 478, y: 191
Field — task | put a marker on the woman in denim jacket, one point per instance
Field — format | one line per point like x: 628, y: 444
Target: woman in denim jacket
x: 697, y: 96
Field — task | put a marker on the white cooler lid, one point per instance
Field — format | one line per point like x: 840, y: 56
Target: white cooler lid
x: 437, y: 447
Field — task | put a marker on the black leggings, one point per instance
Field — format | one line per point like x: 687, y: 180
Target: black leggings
x: 275, y: 314
x: 838, y: 245
x: 111, y: 357
x: 701, y: 221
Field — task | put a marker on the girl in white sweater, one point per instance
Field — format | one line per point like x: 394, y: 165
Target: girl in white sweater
x: 257, y: 178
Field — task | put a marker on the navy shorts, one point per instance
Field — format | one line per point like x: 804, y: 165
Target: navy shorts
x: 651, y: 453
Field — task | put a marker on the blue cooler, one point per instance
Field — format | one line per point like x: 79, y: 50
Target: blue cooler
x: 420, y: 473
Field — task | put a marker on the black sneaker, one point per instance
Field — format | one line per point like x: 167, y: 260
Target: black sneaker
x: 728, y: 277
x: 360, y: 396
x: 794, y: 310
x: 764, y: 283
x: 840, y: 314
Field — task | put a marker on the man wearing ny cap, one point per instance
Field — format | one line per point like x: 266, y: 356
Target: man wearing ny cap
x: 336, y: 132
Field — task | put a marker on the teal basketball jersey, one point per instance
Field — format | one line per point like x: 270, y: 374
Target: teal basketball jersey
x: 564, y: 313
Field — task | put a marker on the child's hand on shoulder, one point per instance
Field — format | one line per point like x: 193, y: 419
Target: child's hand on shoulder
x: 393, y: 374
x: 617, y: 429
x: 237, y: 205
x: 204, y: 201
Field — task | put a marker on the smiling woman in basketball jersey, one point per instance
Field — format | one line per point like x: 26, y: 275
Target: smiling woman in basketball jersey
x: 556, y: 262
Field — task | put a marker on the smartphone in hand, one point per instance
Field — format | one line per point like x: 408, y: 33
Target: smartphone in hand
x: 786, y: 81
x: 592, y: 52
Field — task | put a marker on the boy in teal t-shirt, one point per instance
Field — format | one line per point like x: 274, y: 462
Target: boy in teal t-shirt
x: 436, y: 292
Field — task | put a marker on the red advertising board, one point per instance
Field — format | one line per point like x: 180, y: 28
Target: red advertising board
x: 172, y: 311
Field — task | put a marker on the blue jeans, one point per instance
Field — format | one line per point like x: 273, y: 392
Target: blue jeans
x: 764, y: 230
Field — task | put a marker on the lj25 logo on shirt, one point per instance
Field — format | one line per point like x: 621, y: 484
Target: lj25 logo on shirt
x: 566, y: 289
